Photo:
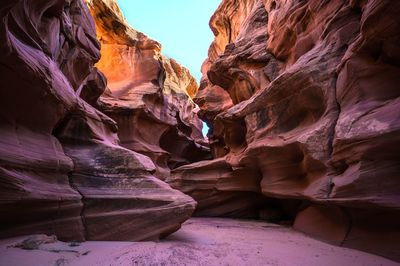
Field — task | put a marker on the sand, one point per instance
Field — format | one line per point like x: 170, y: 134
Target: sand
x: 201, y: 241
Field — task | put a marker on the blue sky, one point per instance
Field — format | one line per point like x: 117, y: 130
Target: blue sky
x: 181, y: 26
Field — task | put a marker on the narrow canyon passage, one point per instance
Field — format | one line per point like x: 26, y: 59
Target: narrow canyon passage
x: 103, y: 160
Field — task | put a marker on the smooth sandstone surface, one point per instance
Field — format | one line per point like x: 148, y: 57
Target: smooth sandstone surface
x: 301, y: 98
x: 62, y: 170
x: 201, y: 241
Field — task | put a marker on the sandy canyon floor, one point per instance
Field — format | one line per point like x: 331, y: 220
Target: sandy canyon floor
x: 201, y: 241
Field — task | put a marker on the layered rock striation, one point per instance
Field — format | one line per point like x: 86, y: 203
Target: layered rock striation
x: 302, y: 101
x: 301, y: 98
x: 148, y: 95
x: 62, y: 170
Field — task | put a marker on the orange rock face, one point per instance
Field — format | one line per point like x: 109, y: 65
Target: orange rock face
x: 302, y: 101
x: 62, y: 170
x: 149, y: 95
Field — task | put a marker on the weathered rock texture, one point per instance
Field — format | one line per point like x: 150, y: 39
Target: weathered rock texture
x: 149, y: 94
x: 302, y: 98
x: 62, y: 170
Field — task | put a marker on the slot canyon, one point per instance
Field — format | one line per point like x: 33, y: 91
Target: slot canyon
x: 103, y: 160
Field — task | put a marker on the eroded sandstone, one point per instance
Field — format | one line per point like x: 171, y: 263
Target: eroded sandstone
x: 149, y: 95
x: 63, y: 171
x: 305, y: 94
x: 301, y: 98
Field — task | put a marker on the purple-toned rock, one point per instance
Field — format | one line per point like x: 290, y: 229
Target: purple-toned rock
x: 305, y: 95
x: 62, y: 170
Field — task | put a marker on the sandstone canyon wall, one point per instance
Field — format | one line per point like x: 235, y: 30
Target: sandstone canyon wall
x: 149, y: 95
x: 62, y: 170
x: 302, y: 101
x: 301, y: 97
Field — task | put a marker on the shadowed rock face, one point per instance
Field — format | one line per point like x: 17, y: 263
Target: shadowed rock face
x: 149, y: 95
x: 62, y: 170
x: 306, y: 95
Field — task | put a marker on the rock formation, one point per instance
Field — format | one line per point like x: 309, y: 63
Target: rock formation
x: 302, y: 101
x: 301, y: 98
x: 62, y: 170
x: 149, y: 94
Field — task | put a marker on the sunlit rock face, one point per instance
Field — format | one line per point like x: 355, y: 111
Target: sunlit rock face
x: 302, y: 99
x: 62, y: 170
x: 149, y: 95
